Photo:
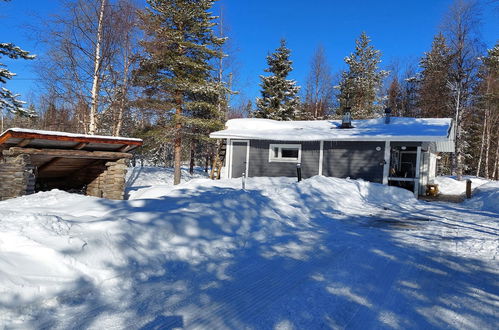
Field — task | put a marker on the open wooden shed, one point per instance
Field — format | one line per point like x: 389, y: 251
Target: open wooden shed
x: 32, y: 161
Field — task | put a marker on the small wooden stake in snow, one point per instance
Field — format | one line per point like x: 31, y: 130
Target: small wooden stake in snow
x: 243, y: 178
x: 298, y: 171
x: 468, y: 188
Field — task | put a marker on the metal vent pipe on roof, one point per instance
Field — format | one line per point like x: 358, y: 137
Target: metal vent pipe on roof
x: 346, y: 122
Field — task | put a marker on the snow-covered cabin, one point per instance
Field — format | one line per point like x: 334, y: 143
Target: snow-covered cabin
x: 399, y: 151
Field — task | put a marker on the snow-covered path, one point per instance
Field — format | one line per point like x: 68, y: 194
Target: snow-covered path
x: 324, y: 253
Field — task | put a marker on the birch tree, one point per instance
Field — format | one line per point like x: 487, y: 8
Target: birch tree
x: 460, y: 29
x: 319, y: 90
x: 487, y: 104
x: 80, y: 43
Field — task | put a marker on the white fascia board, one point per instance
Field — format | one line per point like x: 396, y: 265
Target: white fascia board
x: 406, y: 138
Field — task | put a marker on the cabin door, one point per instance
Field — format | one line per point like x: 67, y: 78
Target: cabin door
x: 240, y: 158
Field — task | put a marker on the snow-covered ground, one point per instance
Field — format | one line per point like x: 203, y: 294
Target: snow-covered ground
x: 448, y: 185
x: 322, y: 253
x: 140, y: 179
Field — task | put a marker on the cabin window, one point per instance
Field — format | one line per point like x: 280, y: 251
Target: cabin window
x: 285, y: 153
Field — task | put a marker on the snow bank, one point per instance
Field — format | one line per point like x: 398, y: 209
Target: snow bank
x: 51, y: 239
x: 448, y: 185
x: 485, y: 197
x: 323, y: 252
x: 140, y: 180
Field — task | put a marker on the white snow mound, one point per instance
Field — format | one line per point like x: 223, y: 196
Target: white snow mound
x: 485, y: 197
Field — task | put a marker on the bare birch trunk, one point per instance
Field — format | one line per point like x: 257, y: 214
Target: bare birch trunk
x: 457, y: 161
x: 96, y: 76
x: 124, y: 92
x: 488, y: 114
x: 316, y: 101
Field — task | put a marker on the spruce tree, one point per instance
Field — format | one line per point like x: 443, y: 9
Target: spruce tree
x: 279, y: 99
x: 175, y: 70
x: 362, y: 81
x: 433, y: 90
x: 8, y: 100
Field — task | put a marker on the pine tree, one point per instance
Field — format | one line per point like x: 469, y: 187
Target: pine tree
x: 175, y: 70
x: 8, y: 100
x: 361, y: 82
x: 433, y: 90
x: 279, y: 99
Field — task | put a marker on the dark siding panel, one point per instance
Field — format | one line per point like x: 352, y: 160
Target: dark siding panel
x: 357, y: 160
x: 259, y: 164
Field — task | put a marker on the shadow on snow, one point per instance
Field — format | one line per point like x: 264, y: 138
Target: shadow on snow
x: 227, y: 258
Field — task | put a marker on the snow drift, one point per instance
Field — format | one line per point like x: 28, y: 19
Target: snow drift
x: 486, y: 197
x: 324, y: 252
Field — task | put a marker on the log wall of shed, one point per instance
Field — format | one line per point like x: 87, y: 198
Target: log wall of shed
x: 17, y: 176
x: 25, y: 174
x: 110, y: 182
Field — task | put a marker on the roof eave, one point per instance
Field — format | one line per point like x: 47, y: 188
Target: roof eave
x: 220, y: 135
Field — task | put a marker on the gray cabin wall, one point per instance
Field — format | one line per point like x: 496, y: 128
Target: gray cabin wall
x: 357, y: 160
x: 354, y: 159
x: 259, y: 164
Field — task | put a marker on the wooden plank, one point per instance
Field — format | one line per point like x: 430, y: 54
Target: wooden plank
x: 24, y: 143
x: 5, y: 137
x: 80, y: 145
x: 14, y: 151
x: 125, y: 148
x: 48, y: 164
x: 87, y: 139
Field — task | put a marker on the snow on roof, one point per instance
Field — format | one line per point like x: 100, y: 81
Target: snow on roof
x: 399, y: 128
x: 73, y: 135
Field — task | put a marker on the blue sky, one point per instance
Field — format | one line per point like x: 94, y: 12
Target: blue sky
x: 402, y: 30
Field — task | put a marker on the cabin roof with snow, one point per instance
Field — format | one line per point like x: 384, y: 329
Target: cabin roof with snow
x: 399, y: 128
x: 439, y: 131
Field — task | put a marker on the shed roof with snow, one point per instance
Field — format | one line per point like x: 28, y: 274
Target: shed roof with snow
x: 32, y: 160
